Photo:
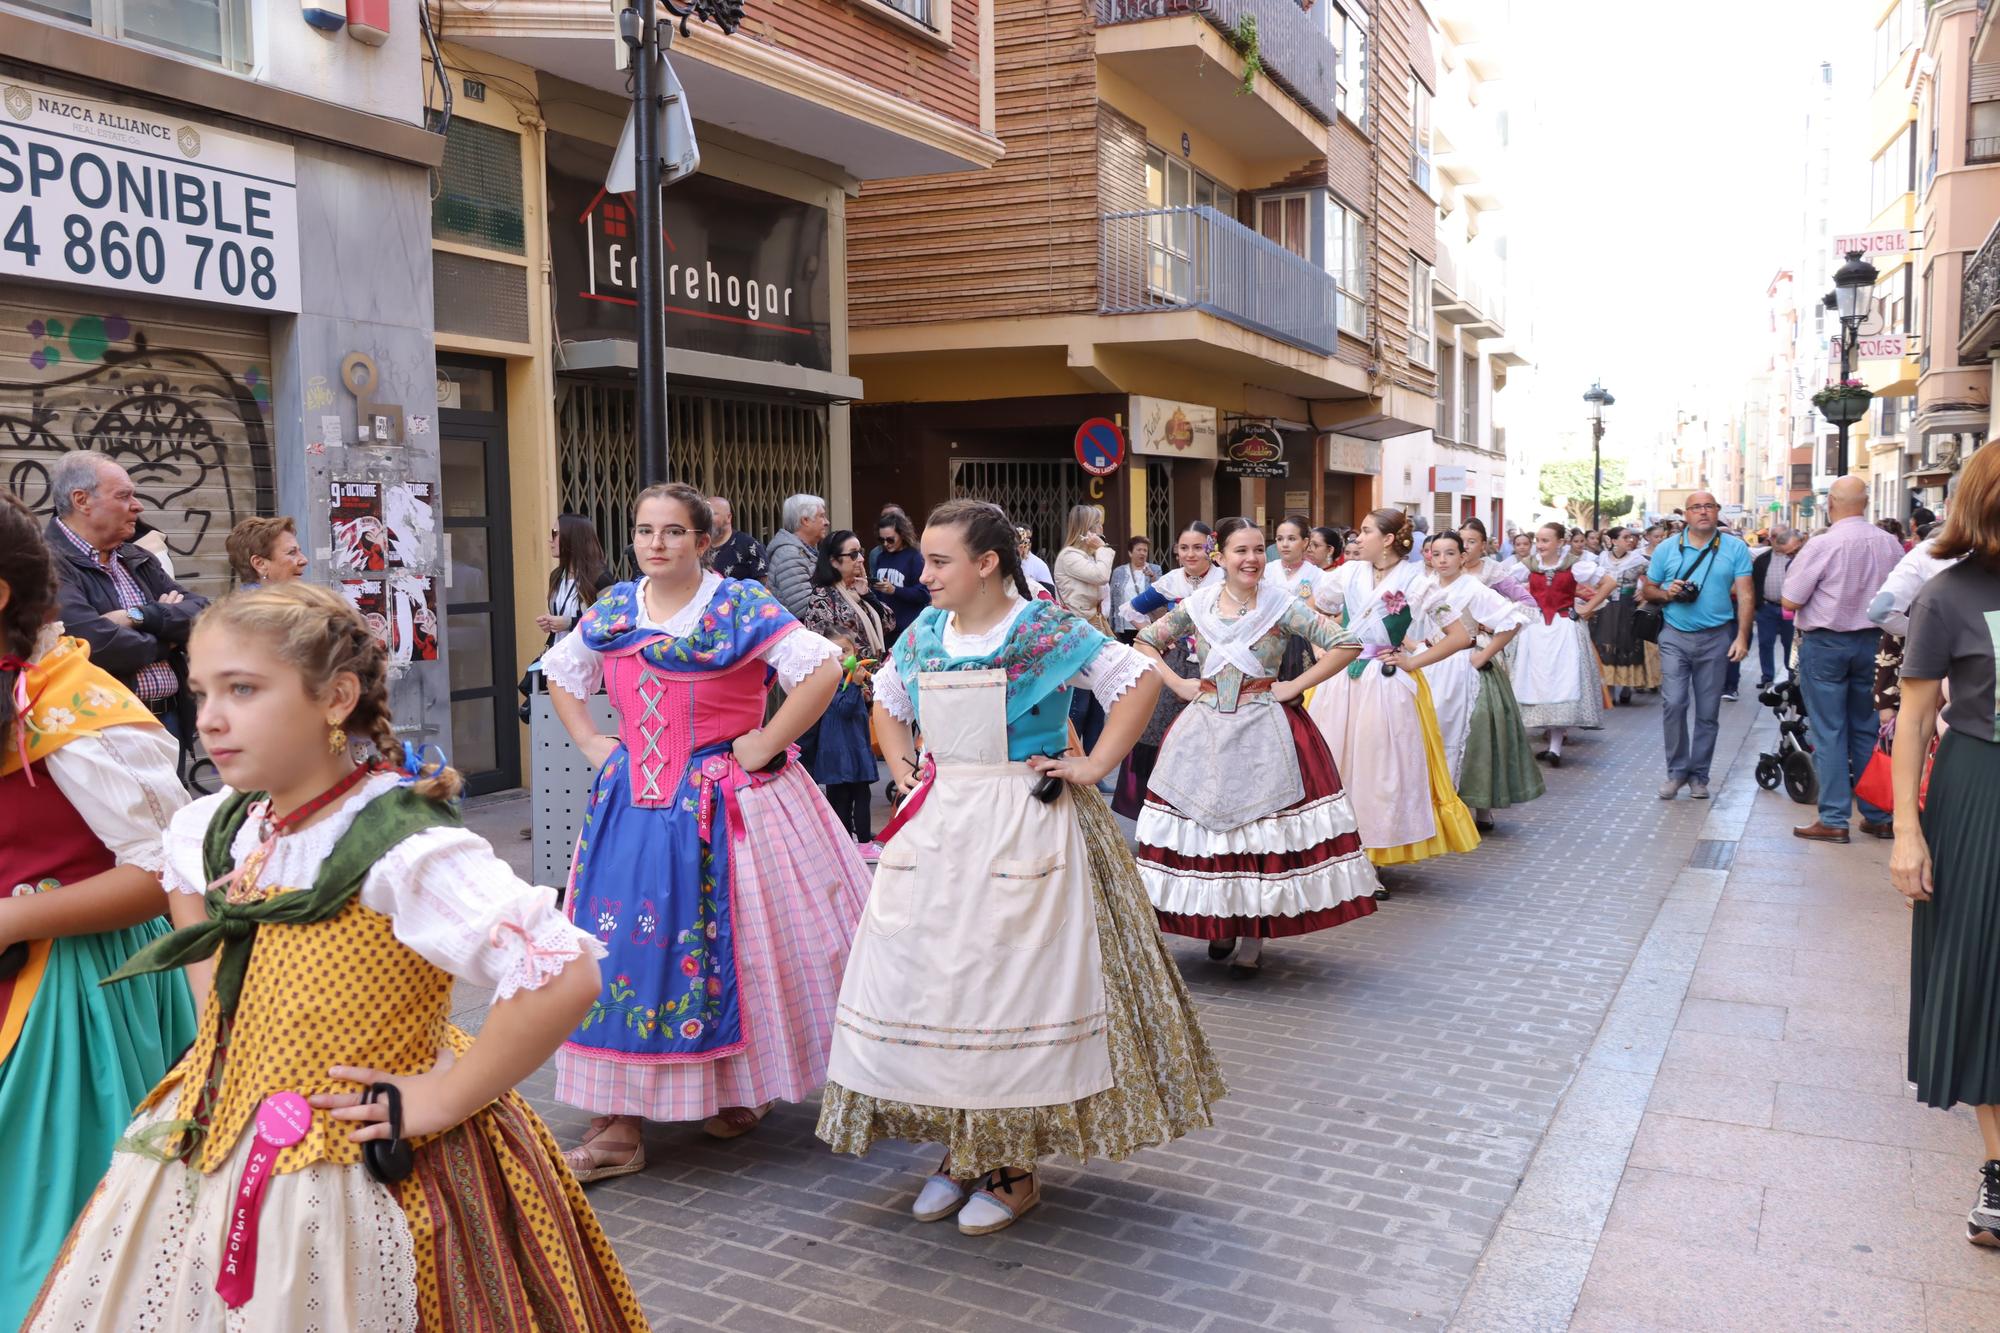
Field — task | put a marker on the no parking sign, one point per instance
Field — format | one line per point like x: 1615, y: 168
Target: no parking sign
x: 1100, y: 446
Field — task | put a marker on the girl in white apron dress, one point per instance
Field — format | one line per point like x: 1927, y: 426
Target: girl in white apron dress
x: 1008, y: 994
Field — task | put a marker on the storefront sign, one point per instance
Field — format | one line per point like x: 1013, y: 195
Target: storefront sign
x: 124, y: 197
x: 1344, y: 453
x: 1255, y: 450
x: 1871, y: 243
x: 1451, y: 478
x: 1172, y: 430
x: 745, y: 270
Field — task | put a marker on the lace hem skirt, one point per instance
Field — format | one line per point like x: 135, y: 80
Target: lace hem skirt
x: 1165, y: 1077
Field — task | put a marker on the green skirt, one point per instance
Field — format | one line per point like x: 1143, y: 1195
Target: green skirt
x: 1955, y: 937
x: 1499, y: 768
x: 85, y: 1057
x: 1164, y: 1077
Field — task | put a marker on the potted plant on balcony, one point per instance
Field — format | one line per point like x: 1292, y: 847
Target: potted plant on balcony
x: 1846, y: 401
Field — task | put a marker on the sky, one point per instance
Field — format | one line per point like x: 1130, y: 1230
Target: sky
x: 1660, y: 161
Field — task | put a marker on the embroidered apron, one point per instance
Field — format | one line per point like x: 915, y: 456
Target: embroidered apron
x: 977, y: 979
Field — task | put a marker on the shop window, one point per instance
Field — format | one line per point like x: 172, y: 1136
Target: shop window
x: 214, y: 31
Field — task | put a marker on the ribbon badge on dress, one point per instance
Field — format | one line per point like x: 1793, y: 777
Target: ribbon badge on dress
x: 283, y: 1119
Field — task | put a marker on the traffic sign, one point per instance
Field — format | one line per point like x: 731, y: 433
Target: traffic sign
x: 1100, y: 446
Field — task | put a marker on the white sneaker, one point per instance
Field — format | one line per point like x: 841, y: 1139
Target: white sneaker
x: 940, y: 1197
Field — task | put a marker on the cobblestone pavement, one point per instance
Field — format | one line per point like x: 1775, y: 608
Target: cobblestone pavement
x: 1391, y: 1081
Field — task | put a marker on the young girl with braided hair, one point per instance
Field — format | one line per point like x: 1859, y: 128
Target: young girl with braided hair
x: 380, y: 1155
x: 87, y: 785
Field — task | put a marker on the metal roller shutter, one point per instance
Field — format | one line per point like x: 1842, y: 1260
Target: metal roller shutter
x: 179, y: 395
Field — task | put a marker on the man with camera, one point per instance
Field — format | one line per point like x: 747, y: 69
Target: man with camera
x: 1828, y: 587
x: 1702, y: 576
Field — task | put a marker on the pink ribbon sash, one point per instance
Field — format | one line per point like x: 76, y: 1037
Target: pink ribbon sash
x: 282, y: 1120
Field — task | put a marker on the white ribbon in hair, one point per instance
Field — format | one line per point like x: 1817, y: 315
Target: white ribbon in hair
x: 1227, y: 643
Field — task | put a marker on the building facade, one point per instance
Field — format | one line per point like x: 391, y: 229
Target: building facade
x: 535, y: 293
x: 1955, y: 398
x: 214, y: 270
x: 1206, y: 249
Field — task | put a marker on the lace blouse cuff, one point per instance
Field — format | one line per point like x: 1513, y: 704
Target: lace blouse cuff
x: 891, y: 693
x: 1113, y: 671
x: 797, y: 655
x: 576, y: 668
x: 536, y: 955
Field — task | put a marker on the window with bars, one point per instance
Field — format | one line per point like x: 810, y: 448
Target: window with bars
x: 751, y: 451
x: 1160, y: 511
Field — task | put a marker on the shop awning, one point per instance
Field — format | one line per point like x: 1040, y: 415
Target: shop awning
x: 620, y: 356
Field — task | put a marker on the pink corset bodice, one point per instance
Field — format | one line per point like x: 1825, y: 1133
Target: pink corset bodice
x: 665, y: 718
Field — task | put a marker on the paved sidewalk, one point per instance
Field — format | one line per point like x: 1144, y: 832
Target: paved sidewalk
x: 1741, y: 1149
x: 1391, y: 1082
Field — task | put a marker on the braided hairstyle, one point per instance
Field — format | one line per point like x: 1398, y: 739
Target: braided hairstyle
x: 319, y: 633
x: 984, y: 526
x: 30, y: 575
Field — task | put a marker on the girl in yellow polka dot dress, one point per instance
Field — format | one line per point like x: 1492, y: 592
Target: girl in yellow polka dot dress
x: 331, y: 1153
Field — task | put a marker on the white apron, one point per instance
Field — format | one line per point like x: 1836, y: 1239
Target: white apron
x: 977, y: 978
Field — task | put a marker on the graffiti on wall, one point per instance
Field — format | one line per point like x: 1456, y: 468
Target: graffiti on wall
x: 190, y: 424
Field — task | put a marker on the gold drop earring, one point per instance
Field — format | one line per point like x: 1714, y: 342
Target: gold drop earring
x: 336, y: 738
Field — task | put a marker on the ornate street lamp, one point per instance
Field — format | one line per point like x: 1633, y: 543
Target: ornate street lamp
x: 1598, y: 399
x: 1853, y: 299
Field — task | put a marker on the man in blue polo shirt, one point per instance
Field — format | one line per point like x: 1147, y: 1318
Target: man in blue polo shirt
x: 1702, y: 576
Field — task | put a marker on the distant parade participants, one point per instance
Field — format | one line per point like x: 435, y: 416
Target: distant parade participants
x: 1197, y: 568
x: 710, y: 865
x: 1009, y: 995
x: 1295, y: 572
x: 1246, y: 834
x: 332, y: 1152
x: 1556, y: 676
x: 1485, y: 563
x: 1377, y: 715
x: 87, y: 785
x: 1491, y: 764
x: 1626, y: 664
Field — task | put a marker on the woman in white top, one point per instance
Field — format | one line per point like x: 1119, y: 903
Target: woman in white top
x: 1556, y: 676
x: 1083, y: 574
x: 1197, y: 569
x: 1491, y: 764
x: 1298, y: 575
x: 1377, y: 714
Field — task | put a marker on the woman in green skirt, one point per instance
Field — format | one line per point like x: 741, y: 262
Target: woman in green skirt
x: 1947, y: 854
x: 87, y: 785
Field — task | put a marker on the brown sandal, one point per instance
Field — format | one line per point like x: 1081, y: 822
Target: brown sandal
x: 587, y: 1164
x: 733, y: 1122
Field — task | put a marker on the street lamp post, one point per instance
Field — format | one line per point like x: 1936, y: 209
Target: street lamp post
x: 1853, y: 299
x: 1598, y: 400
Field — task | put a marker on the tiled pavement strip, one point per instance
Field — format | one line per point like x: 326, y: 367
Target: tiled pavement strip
x: 1391, y: 1082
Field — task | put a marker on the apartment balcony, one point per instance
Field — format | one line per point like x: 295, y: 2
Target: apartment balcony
x: 1460, y: 297
x: 1170, y: 259
x: 1185, y: 54
x: 1979, y: 303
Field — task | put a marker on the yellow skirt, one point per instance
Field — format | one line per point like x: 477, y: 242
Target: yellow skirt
x: 1455, y: 830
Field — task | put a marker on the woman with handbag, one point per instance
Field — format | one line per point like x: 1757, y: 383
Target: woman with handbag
x: 1247, y: 834
x: 1615, y: 631
x: 1946, y: 859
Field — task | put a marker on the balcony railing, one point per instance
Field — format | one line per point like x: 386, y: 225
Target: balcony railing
x: 1986, y: 149
x: 1979, y: 300
x: 1294, y: 51
x: 1197, y: 259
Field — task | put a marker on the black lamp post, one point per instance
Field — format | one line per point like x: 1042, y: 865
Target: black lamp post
x: 639, y: 28
x: 1853, y: 299
x: 1598, y: 399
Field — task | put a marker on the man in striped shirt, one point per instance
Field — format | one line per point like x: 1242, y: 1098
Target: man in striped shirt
x: 115, y: 595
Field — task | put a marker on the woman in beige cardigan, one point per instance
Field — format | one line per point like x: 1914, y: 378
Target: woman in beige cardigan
x: 1083, y: 574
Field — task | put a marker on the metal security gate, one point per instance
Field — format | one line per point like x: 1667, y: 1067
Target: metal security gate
x: 1160, y: 512
x: 1036, y: 493
x: 178, y: 395
x: 753, y: 451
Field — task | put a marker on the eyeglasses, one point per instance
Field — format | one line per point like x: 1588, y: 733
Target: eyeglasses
x: 1705, y: 506
x: 646, y: 535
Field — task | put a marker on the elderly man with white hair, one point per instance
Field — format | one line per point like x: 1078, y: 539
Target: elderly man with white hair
x: 793, y: 551
x: 1767, y: 578
x: 115, y: 596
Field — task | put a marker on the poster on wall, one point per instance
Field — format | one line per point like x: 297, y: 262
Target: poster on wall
x: 1167, y: 429
x: 745, y: 270
x: 410, y: 523
x: 413, y: 619
x: 113, y: 194
x: 359, y: 537
x: 370, y: 598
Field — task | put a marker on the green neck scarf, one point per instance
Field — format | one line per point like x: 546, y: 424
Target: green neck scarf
x: 232, y: 927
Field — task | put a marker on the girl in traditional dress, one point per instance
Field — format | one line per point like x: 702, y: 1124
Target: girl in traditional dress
x: 709, y: 864
x: 1556, y: 677
x: 1246, y: 834
x: 1197, y: 569
x: 1483, y: 564
x: 1377, y: 715
x: 332, y: 1153
x: 1491, y: 764
x: 1009, y: 995
x: 1613, y: 632
x: 1297, y: 575
x: 87, y: 785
